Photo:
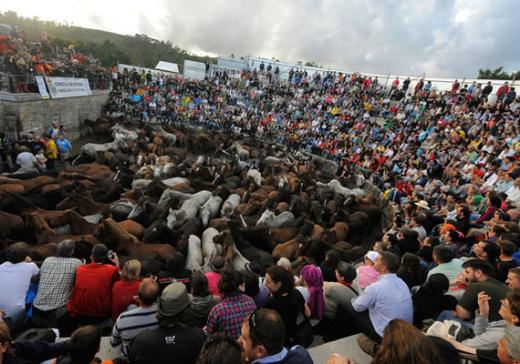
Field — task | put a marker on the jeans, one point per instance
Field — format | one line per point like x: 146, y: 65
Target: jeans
x: 448, y: 315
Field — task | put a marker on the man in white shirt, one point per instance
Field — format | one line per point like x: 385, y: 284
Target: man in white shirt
x: 15, y: 277
x: 27, y: 161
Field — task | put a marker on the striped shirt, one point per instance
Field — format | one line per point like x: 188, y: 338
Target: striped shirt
x: 130, y: 323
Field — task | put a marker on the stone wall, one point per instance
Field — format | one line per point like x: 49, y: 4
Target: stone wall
x: 21, y: 113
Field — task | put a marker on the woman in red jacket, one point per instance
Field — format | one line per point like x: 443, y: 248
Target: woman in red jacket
x: 125, y: 290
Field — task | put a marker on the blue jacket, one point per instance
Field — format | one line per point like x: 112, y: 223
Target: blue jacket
x: 295, y: 355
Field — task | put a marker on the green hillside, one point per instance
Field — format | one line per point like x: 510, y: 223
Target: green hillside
x: 109, y: 48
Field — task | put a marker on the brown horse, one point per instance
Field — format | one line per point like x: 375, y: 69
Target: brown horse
x: 44, y: 233
x: 127, y: 244
x: 10, y: 224
x: 83, y: 204
x: 290, y: 249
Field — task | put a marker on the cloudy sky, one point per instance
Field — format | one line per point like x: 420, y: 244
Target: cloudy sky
x: 442, y: 38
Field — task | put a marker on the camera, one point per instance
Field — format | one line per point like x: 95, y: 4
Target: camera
x: 111, y: 255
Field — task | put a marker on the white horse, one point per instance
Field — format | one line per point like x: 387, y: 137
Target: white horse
x: 194, y: 256
x: 188, y: 209
x: 229, y: 205
x: 209, y: 248
x: 243, y: 153
x: 268, y: 218
x: 210, y: 209
x: 174, y: 181
x: 256, y: 176
x: 335, y: 185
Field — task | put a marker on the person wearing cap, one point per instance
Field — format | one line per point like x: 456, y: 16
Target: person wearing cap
x: 91, y: 298
x: 216, y: 265
x: 366, y: 273
x: 171, y: 341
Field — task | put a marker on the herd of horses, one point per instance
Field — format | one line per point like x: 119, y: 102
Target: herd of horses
x: 154, y: 190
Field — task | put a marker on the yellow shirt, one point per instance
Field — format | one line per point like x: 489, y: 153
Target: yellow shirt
x: 52, y: 151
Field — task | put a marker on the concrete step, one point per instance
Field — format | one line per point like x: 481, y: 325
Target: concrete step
x: 346, y: 346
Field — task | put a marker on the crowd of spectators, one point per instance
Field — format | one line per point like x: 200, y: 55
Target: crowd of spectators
x: 447, y: 161
x: 35, y: 152
x: 21, y: 60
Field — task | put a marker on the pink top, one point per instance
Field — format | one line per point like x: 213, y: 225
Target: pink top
x: 213, y: 279
x: 367, y: 274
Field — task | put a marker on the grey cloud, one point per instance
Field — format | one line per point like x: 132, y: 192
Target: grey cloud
x: 406, y: 37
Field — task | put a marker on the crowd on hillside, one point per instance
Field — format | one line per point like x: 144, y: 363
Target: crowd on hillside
x: 448, y: 161
x: 21, y: 60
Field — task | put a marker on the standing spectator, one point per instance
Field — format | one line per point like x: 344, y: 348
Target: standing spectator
x: 124, y: 291
x: 57, y: 276
x: 64, y: 148
x: 91, y: 299
x: 51, y: 152
x: 171, y: 340
x: 227, y: 316
x: 27, y: 161
x: 54, y: 130
x: 15, y: 276
x: 262, y: 339
x: 503, y: 90
x: 132, y: 322
x: 487, y: 90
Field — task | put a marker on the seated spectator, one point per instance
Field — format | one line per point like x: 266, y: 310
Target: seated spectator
x: 403, y: 343
x: 57, y: 276
x: 83, y: 345
x: 410, y: 270
x: 91, y: 299
x: 41, y: 159
x: 15, y: 277
x: 196, y: 315
x: 175, y: 272
x: 220, y: 349
x: 285, y: 299
x: 479, y: 276
x: 171, y: 340
x: 408, y: 242
x: 513, y: 278
x: 505, y: 259
x: 125, y: 290
x: 132, y: 322
x: 507, y: 353
x: 431, y: 299
x: 312, y: 291
x: 254, y: 288
x: 227, y: 316
x: 366, y: 273
x: 27, y: 352
x: 262, y: 339
x: 387, y: 299
x: 487, y: 333
x: 488, y: 251
x: 329, y: 265
x: 217, y: 265
x: 340, y: 292
x: 447, y: 264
